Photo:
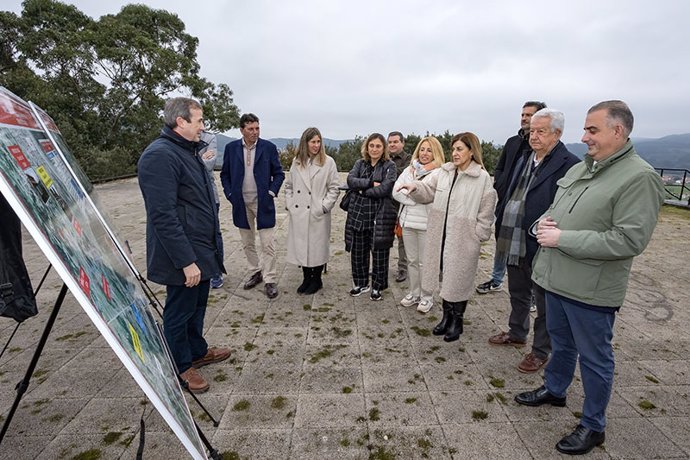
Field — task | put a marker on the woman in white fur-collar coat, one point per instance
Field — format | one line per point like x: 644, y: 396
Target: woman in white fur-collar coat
x: 460, y: 218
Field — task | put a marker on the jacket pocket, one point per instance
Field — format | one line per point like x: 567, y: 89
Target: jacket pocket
x: 578, y: 278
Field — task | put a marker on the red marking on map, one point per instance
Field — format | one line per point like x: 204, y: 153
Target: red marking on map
x: 13, y: 112
x: 50, y: 124
x: 47, y: 146
x: 77, y: 227
x: 106, y: 287
x: 19, y: 156
x: 84, y: 282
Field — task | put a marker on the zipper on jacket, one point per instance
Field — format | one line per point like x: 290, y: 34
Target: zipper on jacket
x: 577, y: 199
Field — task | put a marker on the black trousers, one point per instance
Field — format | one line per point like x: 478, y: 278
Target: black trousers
x: 362, y: 248
x: 520, y: 286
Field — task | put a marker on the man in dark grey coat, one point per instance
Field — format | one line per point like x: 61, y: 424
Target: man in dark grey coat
x: 527, y: 197
x: 396, y: 148
x: 515, y: 148
x: 182, y: 248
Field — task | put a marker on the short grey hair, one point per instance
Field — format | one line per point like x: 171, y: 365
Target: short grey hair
x: 556, y: 116
x: 179, y: 107
x: 617, y: 111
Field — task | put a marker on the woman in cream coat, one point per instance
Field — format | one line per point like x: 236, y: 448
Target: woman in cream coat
x: 459, y: 220
x: 413, y: 219
x: 311, y: 191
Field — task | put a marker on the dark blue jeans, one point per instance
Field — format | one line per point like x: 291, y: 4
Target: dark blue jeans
x: 576, y: 330
x: 183, y: 323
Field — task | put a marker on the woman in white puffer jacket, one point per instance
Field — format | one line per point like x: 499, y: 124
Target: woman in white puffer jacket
x: 413, y: 218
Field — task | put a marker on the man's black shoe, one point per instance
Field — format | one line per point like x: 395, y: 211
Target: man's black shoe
x: 580, y: 441
x: 253, y: 280
x: 538, y: 397
x: 271, y: 290
x: 401, y: 276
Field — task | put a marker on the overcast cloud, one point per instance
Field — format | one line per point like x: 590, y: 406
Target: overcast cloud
x: 355, y: 67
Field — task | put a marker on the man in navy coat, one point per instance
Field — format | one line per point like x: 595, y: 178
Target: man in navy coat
x: 182, y: 246
x: 252, y: 197
x: 528, y: 195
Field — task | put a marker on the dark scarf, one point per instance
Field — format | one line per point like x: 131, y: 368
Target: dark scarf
x: 511, y: 245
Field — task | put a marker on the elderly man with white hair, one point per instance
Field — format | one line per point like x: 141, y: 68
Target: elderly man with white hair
x: 530, y: 192
x: 603, y: 215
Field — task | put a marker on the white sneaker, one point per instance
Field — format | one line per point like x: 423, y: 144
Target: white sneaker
x: 425, y: 306
x: 409, y: 300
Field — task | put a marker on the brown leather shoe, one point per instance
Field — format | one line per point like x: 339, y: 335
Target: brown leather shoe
x: 504, y: 338
x: 214, y: 355
x: 271, y: 290
x: 531, y: 363
x: 195, y: 382
x: 253, y: 280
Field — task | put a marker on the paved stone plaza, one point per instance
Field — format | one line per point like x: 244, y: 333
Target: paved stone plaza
x: 329, y: 376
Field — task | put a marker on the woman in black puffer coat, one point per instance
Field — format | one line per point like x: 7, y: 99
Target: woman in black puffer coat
x: 371, y: 217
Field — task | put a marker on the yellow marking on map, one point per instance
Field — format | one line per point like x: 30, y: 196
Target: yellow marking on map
x: 135, y: 342
x: 45, y: 177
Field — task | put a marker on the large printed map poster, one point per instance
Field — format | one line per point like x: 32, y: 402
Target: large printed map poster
x: 52, y: 204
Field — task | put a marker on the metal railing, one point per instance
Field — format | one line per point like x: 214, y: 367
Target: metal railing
x: 680, y: 192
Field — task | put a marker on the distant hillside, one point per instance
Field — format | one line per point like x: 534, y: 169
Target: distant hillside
x: 280, y: 142
x: 666, y: 152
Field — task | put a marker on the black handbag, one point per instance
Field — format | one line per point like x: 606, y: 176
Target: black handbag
x: 345, y: 201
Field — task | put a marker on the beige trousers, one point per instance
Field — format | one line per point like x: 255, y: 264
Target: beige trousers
x: 267, y: 263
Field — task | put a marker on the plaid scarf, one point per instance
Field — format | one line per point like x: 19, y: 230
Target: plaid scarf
x: 510, y: 245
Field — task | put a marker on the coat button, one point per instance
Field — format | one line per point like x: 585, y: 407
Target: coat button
x: 297, y: 206
x: 307, y: 206
x: 297, y: 191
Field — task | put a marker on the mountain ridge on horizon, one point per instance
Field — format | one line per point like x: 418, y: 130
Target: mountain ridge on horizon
x: 668, y: 152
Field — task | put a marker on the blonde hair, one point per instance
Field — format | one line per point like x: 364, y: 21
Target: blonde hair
x: 302, y: 154
x: 436, y: 149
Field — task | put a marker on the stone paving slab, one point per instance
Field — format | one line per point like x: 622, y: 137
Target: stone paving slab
x: 330, y: 376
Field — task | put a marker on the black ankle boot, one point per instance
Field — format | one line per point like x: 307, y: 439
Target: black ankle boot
x: 315, y: 283
x: 306, y: 271
x: 455, y: 326
x: 442, y: 327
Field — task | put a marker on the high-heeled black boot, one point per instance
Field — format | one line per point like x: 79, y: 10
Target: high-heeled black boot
x: 455, y: 326
x: 306, y: 272
x: 442, y: 327
x: 315, y: 283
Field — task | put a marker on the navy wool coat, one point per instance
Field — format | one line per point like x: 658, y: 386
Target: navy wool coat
x: 268, y: 175
x: 541, y: 192
x: 181, y: 216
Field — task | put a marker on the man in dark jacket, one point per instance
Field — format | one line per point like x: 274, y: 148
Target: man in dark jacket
x: 528, y: 196
x: 514, y: 149
x: 252, y: 197
x: 181, y: 236
x: 396, y: 148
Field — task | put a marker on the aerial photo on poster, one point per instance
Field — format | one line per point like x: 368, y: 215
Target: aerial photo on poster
x: 50, y: 199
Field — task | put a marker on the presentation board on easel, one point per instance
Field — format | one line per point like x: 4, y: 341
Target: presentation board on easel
x: 53, y: 204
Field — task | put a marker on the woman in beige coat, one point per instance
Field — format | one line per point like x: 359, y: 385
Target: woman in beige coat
x: 311, y: 191
x: 459, y: 220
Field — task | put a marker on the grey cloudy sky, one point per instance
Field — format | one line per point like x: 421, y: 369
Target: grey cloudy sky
x: 354, y: 67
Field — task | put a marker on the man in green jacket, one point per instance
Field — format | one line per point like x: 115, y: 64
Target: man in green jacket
x: 603, y: 215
